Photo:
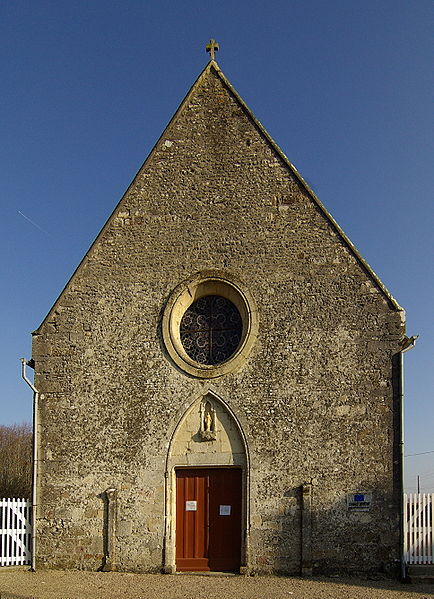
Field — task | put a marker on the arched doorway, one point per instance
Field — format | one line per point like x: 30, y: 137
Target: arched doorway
x: 207, y: 491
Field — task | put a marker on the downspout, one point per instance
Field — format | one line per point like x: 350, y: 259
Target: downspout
x: 407, y: 343
x: 30, y: 363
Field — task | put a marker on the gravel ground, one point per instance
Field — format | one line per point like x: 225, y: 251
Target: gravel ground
x: 56, y: 584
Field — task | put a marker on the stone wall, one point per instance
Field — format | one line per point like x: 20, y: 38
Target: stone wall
x: 315, y: 398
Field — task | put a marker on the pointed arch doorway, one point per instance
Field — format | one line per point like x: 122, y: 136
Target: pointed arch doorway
x: 207, y: 491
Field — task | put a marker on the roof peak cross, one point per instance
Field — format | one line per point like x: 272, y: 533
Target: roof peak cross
x: 212, y: 48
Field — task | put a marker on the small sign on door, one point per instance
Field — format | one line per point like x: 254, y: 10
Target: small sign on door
x: 191, y: 506
x: 225, y: 510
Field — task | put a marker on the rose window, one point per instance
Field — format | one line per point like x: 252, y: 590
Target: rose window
x: 211, y: 330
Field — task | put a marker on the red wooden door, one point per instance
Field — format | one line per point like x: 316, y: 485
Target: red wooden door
x: 208, y: 519
x: 192, y: 491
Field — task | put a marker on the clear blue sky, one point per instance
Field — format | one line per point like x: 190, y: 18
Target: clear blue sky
x: 345, y: 87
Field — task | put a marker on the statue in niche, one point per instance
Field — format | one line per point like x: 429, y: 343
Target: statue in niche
x: 207, y: 422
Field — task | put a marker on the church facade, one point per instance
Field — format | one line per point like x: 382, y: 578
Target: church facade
x: 218, y: 384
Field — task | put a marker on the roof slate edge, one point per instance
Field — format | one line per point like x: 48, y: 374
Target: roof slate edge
x: 365, y: 265
x: 214, y: 65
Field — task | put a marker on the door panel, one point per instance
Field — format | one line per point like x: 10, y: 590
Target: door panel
x: 225, y: 520
x: 192, y: 520
x: 208, y: 519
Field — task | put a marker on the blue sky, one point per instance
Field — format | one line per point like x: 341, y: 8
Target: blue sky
x: 344, y: 87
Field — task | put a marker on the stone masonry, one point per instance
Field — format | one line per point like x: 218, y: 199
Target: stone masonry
x: 311, y: 413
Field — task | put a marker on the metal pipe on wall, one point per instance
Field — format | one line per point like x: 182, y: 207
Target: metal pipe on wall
x: 25, y: 363
x: 408, y: 343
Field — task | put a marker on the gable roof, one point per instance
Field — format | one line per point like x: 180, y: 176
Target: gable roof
x: 213, y: 66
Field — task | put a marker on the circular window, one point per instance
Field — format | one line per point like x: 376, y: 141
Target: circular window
x: 211, y: 329
x: 209, y: 325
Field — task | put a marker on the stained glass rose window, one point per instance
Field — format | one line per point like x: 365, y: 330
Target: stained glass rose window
x: 211, y: 330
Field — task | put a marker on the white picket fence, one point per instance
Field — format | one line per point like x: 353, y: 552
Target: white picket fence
x: 15, y: 532
x: 419, y: 528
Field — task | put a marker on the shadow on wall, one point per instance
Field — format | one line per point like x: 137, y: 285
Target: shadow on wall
x: 342, y: 540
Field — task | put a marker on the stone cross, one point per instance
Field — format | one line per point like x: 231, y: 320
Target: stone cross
x: 212, y: 48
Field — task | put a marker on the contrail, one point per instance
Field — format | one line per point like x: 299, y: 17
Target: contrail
x: 34, y: 224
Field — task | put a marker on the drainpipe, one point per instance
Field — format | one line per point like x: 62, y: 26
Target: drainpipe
x: 30, y: 363
x: 407, y: 343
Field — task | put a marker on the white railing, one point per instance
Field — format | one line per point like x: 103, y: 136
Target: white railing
x: 419, y: 528
x: 15, y: 532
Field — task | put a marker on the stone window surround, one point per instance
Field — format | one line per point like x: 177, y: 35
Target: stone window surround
x: 200, y: 285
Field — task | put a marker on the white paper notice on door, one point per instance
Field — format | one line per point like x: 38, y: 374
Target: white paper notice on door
x: 191, y: 506
x: 225, y: 510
